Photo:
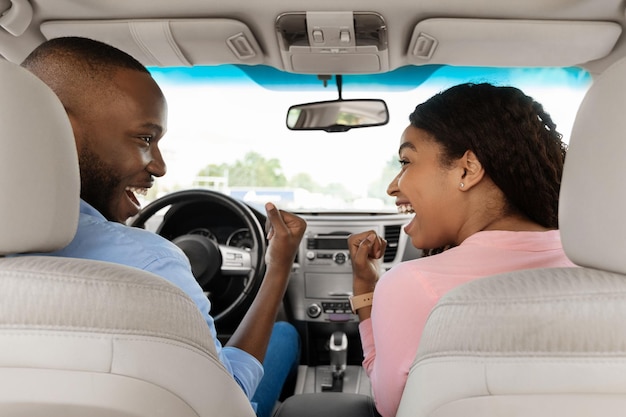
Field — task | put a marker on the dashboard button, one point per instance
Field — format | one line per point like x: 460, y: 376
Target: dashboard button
x: 340, y: 258
x: 339, y: 317
x: 314, y: 310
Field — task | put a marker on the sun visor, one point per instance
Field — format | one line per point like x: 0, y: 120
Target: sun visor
x: 169, y: 42
x: 512, y: 43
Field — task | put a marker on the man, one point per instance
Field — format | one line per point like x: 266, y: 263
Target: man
x: 119, y: 115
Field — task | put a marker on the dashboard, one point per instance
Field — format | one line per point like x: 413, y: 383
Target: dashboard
x: 215, y: 222
x: 316, y: 300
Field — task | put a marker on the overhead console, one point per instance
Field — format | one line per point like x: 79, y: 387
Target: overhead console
x: 333, y: 42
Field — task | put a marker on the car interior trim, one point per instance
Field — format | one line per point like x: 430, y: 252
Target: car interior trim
x: 488, y: 42
x: 168, y: 42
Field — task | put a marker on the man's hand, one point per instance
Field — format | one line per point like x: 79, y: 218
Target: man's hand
x: 366, y: 249
x: 284, y: 233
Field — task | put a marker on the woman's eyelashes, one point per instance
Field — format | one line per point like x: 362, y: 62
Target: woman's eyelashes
x: 147, y: 139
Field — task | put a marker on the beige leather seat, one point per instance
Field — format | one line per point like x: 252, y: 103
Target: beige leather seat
x: 548, y: 342
x: 85, y: 338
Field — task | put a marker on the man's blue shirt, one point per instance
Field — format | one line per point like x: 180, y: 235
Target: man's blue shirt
x: 103, y: 240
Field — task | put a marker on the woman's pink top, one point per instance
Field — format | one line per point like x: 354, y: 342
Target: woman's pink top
x: 405, y: 295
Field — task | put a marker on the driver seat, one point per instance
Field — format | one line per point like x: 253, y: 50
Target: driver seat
x: 544, y: 342
x: 82, y: 337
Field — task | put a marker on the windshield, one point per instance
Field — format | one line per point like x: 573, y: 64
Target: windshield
x: 227, y: 131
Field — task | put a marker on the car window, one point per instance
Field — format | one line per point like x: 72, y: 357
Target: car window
x: 227, y: 130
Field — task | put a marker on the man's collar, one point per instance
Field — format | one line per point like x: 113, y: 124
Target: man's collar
x: 86, y: 208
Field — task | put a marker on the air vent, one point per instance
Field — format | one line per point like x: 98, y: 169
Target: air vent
x: 392, y: 236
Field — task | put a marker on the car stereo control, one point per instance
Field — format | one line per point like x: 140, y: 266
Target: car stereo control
x: 314, y: 310
x: 340, y: 258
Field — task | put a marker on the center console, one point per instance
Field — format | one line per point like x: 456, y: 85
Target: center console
x: 338, y: 376
x: 317, y: 298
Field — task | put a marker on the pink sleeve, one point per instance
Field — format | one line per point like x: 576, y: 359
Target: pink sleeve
x: 401, y: 306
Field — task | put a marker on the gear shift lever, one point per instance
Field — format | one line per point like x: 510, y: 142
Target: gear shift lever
x: 332, y: 380
x: 338, y: 353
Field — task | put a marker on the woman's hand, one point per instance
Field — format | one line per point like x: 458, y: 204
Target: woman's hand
x: 366, y: 250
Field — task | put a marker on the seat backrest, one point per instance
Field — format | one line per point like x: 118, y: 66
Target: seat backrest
x: 80, y: 337
x: 544, y: 342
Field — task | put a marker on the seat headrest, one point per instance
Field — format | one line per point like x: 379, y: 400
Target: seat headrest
x: 592, y: 205
x: 39, y: 177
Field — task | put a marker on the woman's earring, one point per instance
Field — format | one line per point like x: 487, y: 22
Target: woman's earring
x: 461, y: 185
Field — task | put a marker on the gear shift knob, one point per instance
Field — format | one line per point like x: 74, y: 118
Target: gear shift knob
x: 338, y: 353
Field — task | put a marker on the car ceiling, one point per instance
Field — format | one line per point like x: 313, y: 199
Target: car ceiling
x: 587, y: 33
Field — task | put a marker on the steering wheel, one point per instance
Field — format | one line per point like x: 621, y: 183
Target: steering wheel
x: 228, y: 275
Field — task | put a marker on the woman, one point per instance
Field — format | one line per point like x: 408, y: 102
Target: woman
x: 481, y: 171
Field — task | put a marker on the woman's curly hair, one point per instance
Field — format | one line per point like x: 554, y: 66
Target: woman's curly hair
x: 511, y: 134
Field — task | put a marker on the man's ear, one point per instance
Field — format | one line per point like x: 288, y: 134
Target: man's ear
x: 472, y: 171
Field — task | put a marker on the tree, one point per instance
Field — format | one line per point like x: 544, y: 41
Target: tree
x: 303, y: 180
x: 256, y: 171
x: 335, y: 188
x: 253, y: 170
x: 214, y: 170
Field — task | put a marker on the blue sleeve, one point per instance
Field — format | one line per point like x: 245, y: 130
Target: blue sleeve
x: 245, y: 368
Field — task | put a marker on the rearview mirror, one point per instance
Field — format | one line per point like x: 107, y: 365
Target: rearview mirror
x: 338, y: 115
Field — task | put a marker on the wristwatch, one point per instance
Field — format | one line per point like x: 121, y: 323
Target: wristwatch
x: 360, y: 301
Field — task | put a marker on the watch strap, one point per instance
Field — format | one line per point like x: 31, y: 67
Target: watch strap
x: 360, y: 301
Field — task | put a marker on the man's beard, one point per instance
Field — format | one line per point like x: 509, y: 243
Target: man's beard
x: 98, y: 182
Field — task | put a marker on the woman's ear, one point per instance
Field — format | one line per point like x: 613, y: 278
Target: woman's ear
x: 472, y: 171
